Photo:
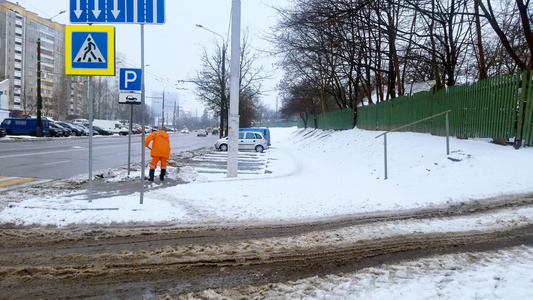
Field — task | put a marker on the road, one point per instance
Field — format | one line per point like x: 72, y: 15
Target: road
x: 156, y: 261
x: 60, y: 158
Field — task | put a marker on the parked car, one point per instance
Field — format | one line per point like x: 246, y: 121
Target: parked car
x: 75, y: 130
x: 56, y: 130
x: 25, y: 126
x: 66, y: 131
x: 201, y: 132
x: 264, y: 131
x: 86, y: 129
x: 111, y: 125
x: 247, y: 141
x: 102, y: 131
x: 81, y: 122
x: 2, y: 132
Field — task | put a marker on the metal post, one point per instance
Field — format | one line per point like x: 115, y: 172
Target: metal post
x: 90, y: 139
x: 142, y: 121
x: 163, y: 111
x: 233, y: 122
x: 129, y: 138
x: 385, y: 147
x: 223, y: 92
x: 174, y: 121
x: 223, y: 99
x: 447, y: 135
x: 38, y: 130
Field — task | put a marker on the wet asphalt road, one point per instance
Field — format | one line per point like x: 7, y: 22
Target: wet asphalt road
x: 60, y: 158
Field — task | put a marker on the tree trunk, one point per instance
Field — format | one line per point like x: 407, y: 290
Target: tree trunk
x: 482, y: 64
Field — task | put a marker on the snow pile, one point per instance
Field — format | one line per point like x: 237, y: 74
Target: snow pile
x: 505, y: 274
x: 307, y: 174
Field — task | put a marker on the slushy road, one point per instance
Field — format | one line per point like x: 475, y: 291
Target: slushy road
x: 60, y: 158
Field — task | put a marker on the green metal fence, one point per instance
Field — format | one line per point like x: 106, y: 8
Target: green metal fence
x: 276, y: 124
x: 497, y: 107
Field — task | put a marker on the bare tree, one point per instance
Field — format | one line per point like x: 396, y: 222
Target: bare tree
x: 518, y: 42
x: 212, y: 81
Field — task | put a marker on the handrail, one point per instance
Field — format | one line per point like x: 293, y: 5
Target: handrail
x: 410, y: 124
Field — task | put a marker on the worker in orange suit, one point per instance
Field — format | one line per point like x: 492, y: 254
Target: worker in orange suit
x: 160, y: 151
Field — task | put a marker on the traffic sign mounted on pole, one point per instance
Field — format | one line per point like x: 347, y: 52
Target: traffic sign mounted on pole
x: 117, y: 11
x: 90, y: 50
x: 130, y: 79
x: 130, y: 98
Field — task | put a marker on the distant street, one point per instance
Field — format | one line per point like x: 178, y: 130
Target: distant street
x: 65, y: 157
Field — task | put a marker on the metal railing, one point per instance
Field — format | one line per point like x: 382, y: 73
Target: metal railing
x: 410, y: 124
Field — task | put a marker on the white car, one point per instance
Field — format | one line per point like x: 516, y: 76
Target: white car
x: 201, y: 132
x: 248, y: 140
x: 185, y: 131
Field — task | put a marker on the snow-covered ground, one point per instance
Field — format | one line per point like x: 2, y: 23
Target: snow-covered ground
x: 314, y: 174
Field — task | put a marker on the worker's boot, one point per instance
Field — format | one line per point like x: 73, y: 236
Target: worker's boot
x: 162, y: 175
x: 152, y: 172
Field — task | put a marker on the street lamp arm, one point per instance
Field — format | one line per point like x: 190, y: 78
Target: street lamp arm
x: 61, y: 12
x: 223, y: 40
x: 183, y: 81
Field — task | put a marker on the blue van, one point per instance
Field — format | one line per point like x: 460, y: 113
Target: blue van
x: 264, y: 131
x: 25, y: 126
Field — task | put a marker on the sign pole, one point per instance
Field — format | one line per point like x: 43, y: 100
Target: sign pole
x: 129, y: 139
x: 90, y: 138
x: 142, y: 121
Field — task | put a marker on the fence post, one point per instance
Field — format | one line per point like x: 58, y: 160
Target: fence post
x: 385, y: 147
x: 447, y: 135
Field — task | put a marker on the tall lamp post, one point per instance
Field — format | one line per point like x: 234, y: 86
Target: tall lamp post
x: 39, y: 96
x: 163, y: 111
x: 222, y: 84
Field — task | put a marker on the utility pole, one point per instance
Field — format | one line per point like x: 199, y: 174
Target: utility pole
x: 39, y: 96
x: 174, y: 121
x: 223, y: 100
x: 233, y: 120
x: 163, y: 111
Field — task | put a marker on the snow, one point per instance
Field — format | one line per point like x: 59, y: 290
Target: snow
x: 313, y: 175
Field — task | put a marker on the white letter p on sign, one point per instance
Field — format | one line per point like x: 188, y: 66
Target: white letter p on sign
x: 129, y: 78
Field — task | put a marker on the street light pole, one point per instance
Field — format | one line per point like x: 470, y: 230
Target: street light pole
x: 163, y: 111
x: 39, y: 96
x: 222, y: 84
x: 233, y: 119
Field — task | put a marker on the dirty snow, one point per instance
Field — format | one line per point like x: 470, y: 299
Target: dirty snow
x: 314, y: 174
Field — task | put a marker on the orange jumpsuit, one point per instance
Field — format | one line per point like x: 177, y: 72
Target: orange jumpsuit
x: 160, y: 148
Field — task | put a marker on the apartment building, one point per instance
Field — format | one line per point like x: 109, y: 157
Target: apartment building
x: 20, y: 31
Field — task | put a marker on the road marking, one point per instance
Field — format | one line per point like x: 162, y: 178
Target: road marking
x: 10, y: 183
x: 16, y: 181
x: 56, y: 163
x: 52, y: 152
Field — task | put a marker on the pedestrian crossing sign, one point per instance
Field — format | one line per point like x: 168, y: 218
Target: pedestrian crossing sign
x: 90, y: 50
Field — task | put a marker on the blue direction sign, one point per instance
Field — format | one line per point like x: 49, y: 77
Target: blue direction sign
x: 117, y: 11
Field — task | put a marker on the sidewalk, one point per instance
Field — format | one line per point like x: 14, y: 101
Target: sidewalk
x: 104, y: 189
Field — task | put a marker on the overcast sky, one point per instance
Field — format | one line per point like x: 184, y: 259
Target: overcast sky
x: 173, y: 50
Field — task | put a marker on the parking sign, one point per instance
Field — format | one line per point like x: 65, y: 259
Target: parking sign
x: 130, y: 79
